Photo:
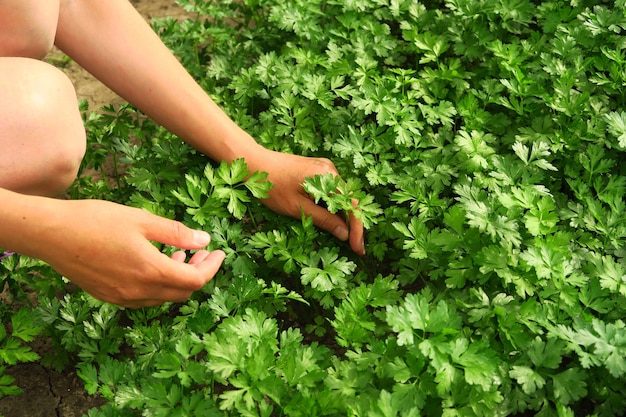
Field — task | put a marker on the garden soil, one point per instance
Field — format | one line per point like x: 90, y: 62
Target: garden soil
x: 48, y: 393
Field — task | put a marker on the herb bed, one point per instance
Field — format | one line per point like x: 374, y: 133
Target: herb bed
x: 485, y: 141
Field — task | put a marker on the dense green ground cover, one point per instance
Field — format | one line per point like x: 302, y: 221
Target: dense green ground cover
x: 485, y: 140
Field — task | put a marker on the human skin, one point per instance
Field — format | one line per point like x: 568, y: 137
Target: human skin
x: 105, y: 247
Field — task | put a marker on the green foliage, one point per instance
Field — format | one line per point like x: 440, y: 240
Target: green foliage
x: 480, y: 142
x: 225, y: 185
x: 21, y: 322
x: 13, y: 350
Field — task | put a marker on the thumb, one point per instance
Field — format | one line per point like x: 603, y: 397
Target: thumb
x: 174, y: 233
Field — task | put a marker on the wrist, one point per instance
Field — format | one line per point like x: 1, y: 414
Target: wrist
x: 25, y: 222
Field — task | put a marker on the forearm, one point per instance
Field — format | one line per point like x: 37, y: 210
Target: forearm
x: 114, y: 43
x: 24, y: 220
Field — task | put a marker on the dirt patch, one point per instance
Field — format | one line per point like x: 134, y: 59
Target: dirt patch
x: 48, y: 393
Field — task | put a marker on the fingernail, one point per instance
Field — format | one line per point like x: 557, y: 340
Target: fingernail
x: 341, y: 233
x: 201, y: 238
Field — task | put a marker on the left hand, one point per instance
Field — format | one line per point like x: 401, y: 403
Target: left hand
x: 287, y: 172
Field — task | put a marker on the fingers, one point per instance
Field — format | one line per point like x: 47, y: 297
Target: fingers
x: 191, y: 276
x: 325, y: 220
x: 173, y: 233
x: 183, y: 279
x: 179, y: 256
x: 337, y: 226
x: 357, y: 236
x: 177, y: 279
x: 198, y: 257
x: 208, y: 264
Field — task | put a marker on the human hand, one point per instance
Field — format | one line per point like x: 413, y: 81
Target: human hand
x: 105, y: 249
x: 287, y: 172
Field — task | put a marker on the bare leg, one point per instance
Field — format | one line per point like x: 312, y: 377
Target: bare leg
x: 42, y: 138
x: 28, y: 27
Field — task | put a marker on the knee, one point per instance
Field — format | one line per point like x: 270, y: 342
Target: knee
x: 64, y: 165
x: 58, y: 109
x: 56, y: 129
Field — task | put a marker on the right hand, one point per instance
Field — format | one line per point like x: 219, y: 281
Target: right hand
x: 287, y: 172
x: 105, y: 249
